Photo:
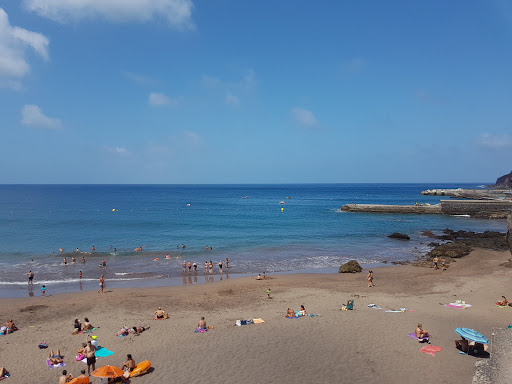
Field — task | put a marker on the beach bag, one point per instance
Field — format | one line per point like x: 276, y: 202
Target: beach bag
x: 43, y: 346
x: 80, y: 357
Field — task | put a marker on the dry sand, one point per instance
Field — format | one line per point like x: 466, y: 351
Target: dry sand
x: 363, y: 345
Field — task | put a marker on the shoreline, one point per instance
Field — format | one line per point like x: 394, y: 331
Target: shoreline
x: 310, y: 347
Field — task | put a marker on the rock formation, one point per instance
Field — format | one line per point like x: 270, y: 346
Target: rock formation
x: 351, y: 267
x: 509, y: 232
x: 400, y: 236
x: 504, y: 181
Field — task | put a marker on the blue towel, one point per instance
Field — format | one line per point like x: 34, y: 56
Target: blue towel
x: 103, y: 352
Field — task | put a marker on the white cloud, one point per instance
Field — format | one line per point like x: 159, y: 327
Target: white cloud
x: 139, y: 79
x: 161, y: 100
x: 13, y: 44
x: 246, y: 83
x: 32, y: 115
x: 120, y: 151
x: 232, y: 99
x: 304, y: 117
x: 177, y: 12
x: 495, y: 142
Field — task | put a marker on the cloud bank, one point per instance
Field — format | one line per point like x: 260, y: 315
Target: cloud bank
x: 14, y: 42
x: 33, y: 115
x: 177, y: 12
x: 161, y: 100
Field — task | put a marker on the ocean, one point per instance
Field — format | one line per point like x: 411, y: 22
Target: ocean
x: 259, y: 228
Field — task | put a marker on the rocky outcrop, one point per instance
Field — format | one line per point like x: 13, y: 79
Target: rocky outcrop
x: 351, y: 267
x: 399, y: 236
x: 504, y: 181
x: 450, y: 250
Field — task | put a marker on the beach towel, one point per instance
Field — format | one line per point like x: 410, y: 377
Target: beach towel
x: 258, y: 321
x: 374, y: 306
x: 413, y: 335
x: 200, y: 330
x: 458, y: 306
x: 51, y: 366
x: 430, y: 349
x: 81, y: 332
x: 399, y: 310
x: 103, y: 352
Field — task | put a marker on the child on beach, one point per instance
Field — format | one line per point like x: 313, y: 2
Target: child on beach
x: 269, y: 293
x: 43, y: 289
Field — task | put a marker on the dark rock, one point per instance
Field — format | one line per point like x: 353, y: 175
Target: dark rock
x: 400, y: 236
x: 351, y: 267
x: 452, y: 250
x: 504, y: 181
x: 430, y: 234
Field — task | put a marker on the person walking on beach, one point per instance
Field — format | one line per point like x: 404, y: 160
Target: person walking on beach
x: 269, y: 293
x: 369, y: 277
x: 220, y: 266
x: 30, y: 275
x: 43, y: 290
x: 102, y: 284
x: 184, y: 265
x: 226, y: 263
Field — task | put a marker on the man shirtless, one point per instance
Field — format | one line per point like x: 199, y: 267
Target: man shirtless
x: 65, y: 378
x: 90, y: 354
x: 435, y: 261
x: 201, y: 324
x: 55, y: 358
x: 290, y: 313
x: 128, y: 366
x: 159, y: 314
x: 30, y: 278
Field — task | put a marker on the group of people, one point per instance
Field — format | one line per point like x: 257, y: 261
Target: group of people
x: 9, y: 327
x: 436, y: 266
x: 504, y: 302
x: 290, y: 313
x: 208, y: 266
x: 85, y: 326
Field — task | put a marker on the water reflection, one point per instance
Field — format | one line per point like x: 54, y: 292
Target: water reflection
x: 30, y: 291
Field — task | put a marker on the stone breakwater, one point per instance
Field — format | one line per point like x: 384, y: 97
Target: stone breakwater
x: 477, y: 194
x: 495, y: 209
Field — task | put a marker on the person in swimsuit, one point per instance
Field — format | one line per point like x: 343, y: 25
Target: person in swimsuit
x: 90, y: 353
x: 205, y: 267
x: 195, y: 266
x: 159, y: 314
x: 10, y: 326
x: 189, y: 265
x: 290, y: 313
x: 77, y: 326
x: 87, y: 325
x: 55, y: 358
x: 303, y: 310
x: 138, y: 330
x: 201, y: 324
x: 210, y: 267
x: 220, y: 266
x: 369, y: 277
x: 83, y: 259
x: 435, y: 261
x: 43, y: 289
x: 102, y: 283
x: 226, y: 263
x: 73, y: 260
x: 504, y: 301
x: 30, y: 278
x: 128, y: 366
x: 421, y: 333
x: 65, y: 378
x: 65, y: 261
x: 184, y: 265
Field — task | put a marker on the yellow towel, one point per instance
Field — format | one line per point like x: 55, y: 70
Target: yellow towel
x: 258, y: 321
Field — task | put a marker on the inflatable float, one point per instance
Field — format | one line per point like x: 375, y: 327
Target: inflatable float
x: 141, y: 368
x: 79, y: 380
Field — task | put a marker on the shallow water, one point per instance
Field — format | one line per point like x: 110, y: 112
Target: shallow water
x: 257, y: 233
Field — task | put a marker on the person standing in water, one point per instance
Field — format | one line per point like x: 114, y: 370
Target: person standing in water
x: 30, y: 275
x: 102, y: 284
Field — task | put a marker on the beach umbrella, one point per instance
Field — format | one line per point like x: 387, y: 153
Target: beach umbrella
x: 108, y: 371
x: 471, y: 334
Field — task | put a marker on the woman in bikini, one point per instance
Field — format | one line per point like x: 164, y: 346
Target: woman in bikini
x: 55, y: 358
x: 370, y: 279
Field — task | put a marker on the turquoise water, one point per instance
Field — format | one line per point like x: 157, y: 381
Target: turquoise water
x: 256, y: 233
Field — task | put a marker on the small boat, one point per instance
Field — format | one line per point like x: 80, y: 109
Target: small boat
x: 281, y: 202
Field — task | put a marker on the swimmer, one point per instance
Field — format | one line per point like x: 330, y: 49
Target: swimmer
x: 167, y: 256
x: 226, y: 263
x: 80, y: 276
x: 220, y: 266
x: 30, y: 278
x: 184, y: 265
x: 77, y: 250
x: 61, y: 249
x: 189, y: 265
x: 205, y: 267
x: 73, y: 260
x: 195, y: 266
x: 93, y: 248
x: 65, y: 261
x: 83, y: 259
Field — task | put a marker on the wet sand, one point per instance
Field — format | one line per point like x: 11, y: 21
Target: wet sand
x: 363, y: 345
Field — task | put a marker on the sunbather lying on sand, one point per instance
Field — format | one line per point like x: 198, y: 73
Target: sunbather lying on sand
x: 421, y: 333
x: 470, y: 346
x: 290, y: 313
x: 55, y: 358
x: 123, y: 331
x: 159, y: 314
x: 302, y: 311
x: 138, y: 330
x: 3, y: 372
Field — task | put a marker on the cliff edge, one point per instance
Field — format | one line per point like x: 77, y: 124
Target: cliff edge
x: 504, y: 181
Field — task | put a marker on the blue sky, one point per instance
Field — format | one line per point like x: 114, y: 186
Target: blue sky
x: 230, y: 91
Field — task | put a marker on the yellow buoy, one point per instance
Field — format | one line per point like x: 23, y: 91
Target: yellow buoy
x: 282, y: 209
x: 113, y: 210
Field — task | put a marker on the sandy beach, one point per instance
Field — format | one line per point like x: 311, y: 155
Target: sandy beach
x: 363, y: 345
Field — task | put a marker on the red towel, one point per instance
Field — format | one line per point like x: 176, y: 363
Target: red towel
x: 430, y: 349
